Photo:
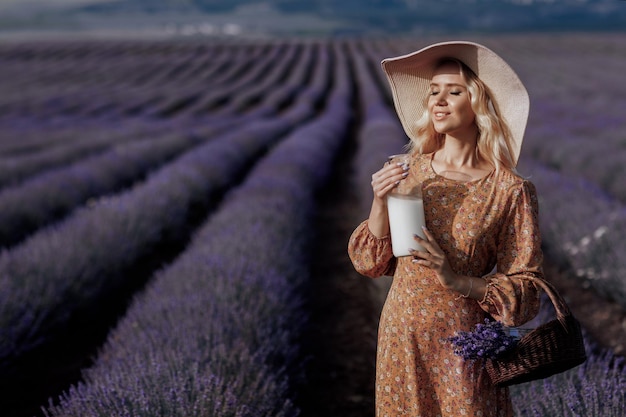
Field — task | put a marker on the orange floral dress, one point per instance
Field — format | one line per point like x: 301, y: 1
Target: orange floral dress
x: 480, y: 224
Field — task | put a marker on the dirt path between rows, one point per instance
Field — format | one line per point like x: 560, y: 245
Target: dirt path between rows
x: 341, y: 341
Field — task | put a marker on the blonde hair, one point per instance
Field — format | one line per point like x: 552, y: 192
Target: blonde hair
x: 494, y: 135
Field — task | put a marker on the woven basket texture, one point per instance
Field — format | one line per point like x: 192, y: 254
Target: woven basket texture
x: 551, y: 348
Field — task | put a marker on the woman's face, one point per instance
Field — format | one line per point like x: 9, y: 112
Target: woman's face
x: 449, y: 103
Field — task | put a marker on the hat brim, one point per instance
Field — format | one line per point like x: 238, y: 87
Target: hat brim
x: 410, y: 76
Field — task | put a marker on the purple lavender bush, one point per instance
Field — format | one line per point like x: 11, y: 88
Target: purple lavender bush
x: 245, y: 77
x: 117, y: 81
x: 583, y: 229
x: 380, y: 134
x: 595, y: 388
x: 49, y: 272
x: 49, y: 277
x: 265, y: 75
x: 216, y: 332
x: 50, y: 196
x: 71, y: 144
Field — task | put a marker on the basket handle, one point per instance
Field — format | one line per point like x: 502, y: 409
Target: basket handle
x: 560, y: 306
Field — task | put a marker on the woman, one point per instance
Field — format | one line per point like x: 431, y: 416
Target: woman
x: 482, y: 241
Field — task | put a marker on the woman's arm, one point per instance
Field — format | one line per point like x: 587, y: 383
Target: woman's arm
x: 511, y: 295
x: 369, y: 246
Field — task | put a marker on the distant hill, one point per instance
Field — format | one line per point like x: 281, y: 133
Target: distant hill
x: 351, y: 16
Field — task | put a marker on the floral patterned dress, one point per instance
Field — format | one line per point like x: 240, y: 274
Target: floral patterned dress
x: 479, y: 224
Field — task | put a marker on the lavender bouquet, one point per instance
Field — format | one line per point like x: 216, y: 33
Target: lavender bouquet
x: 486, y: 341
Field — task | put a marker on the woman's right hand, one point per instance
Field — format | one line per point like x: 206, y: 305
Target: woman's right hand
x: 388, y: 178
x: 383, y: 181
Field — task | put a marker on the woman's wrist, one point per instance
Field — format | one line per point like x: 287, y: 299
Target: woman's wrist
x: 470, y: 287
x: 469, y: 291
x: 378, y: 221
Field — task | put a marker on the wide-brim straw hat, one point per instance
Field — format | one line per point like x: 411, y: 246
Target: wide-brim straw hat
x: 410, y: 76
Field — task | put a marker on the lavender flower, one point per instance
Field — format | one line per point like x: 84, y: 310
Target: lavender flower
x: 488, y: 340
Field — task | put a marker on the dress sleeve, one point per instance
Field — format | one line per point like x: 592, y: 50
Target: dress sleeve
x: 371, y: 256
x: 511, y: 296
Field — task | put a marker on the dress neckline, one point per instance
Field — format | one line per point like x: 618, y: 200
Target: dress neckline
x: 472, y: 181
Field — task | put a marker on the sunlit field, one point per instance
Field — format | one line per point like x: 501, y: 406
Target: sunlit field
x: 174, y: 217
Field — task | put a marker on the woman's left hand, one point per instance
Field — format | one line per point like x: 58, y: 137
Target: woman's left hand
x: 435, y: 259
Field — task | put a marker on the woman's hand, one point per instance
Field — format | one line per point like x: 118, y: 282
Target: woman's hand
x: 387, y: 178
x: 434, y: 258
x: 383, y: 181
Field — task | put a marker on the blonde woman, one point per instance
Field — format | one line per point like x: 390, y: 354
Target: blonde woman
x: 464, y: 110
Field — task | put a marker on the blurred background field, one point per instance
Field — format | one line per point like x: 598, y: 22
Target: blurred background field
x: 253, y: 18
x: 178, y: 181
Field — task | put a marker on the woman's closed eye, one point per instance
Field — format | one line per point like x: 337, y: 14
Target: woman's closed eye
x: 454, y: 93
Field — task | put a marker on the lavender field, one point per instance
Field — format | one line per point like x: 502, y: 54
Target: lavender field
x: 174, y: 218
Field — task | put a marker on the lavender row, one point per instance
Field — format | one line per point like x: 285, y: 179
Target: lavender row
x: 17, y: 168
x: 583, y: 228
x: 248, y: 69
x: 49, y: 196
x: 30, y: 141
x: 291, y: 78
x: 67, y: 268
x: 216, y: 333
x: 84, y: 89
x: 161, y: 100
x: 595, y: 388
x: 265, y: 74
x: 53, y: 194
x: 578, y: 152
x: 576, y: 123
x: 266, y: 104
x: 74, y: 144
x: 202, y: 100
x: 380, y: 135
x: 124, y: 66
x: 374, y: 52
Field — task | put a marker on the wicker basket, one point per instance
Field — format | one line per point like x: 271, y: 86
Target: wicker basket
x: 549, y: 349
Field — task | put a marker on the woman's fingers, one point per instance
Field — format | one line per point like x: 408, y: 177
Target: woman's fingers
x: 434, y: 258
x: 389, y: 173
x: 429, y: 240
x: 433, y: 255
x: 388, y: 178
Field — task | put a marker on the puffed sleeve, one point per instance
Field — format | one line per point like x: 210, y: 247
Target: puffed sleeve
x: 371, y: 256
x: 511, y: 296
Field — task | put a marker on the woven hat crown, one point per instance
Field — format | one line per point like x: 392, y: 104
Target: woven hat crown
x: 410, y: 76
